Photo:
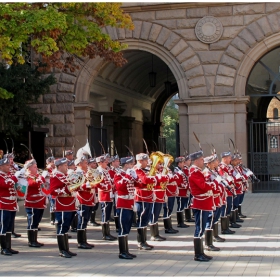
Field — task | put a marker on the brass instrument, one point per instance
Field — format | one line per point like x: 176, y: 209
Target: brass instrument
x: 75, y: 179
x: 93, y: 176
x: 167, y: 159
x: 40, y: 171
x: 156, y: 157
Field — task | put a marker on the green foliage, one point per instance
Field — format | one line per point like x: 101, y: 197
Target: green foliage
x: 26, y: 85
x: 170, y: 118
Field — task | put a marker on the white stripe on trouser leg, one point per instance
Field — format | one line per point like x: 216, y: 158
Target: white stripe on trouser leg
x: 81, y: 213
x: 211, y: 223
x: 32, y: 215
x: 200, y: 222
x: 153, y: 214
x: 140, y: 218
x: 2, y: 222
x: 232, y: 203
x: 62, y: 221
x: 104, y: 209
x: 120, y: 221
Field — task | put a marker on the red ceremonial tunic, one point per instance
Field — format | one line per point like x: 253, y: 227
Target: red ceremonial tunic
x: 34, y: 197
x: 238, y: 180
x: 112, y: 172
x: 8, y: 194
x: 86, y: 192
x: 245, y: 176
x: 64, y: 201
x: 105, y: 188
x: 182, y: 181
x: 160, y: 188
x: 226, y: 172
x: 125, y: 190
x: 201, y: 190
x: 144, y: 190
x: 171, y: 187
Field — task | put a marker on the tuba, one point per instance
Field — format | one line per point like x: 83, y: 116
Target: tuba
x: 93, y: 176
x: 85, y: 150
x: 156, y: 157
x: 167, y: 159
x: 75, y: 179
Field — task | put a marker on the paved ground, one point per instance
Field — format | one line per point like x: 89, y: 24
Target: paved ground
x: 253, y: 251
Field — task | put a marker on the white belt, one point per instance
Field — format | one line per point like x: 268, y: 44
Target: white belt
x: 10, y: 197
x: 209, y: 193
x: 126, y: 196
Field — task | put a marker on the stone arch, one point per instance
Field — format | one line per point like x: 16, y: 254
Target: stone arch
x: 244, y: 51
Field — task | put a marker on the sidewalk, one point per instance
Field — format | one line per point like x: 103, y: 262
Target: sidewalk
x: 254, y: 250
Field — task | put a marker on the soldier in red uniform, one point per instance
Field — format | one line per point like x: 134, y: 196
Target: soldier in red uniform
x: 8, y: 207
x: 183, y: 186
x: 105, y: 196
x: 114, y: 169
x: 202, y: 202
x: 85, y: 196
x: 93, y: 164
x: 64, y: 205
x: 35, y: 201
x: 69, y: 154
x: 125, y: 179
x: 143, y: 199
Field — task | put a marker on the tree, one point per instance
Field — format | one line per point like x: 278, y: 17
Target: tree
x: 170, y: 118
x: 60, y: 34
x: 26, y: 85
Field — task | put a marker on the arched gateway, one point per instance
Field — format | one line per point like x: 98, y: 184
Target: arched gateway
x: 210, y: 76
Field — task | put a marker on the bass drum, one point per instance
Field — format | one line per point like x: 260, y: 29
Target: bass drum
x: 21, y: 187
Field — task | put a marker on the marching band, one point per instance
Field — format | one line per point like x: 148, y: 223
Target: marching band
x: 207, y: 191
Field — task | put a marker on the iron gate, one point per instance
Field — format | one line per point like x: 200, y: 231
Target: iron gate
x: 264, y: 154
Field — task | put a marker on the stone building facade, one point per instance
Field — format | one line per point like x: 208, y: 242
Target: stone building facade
x: 209, y: 50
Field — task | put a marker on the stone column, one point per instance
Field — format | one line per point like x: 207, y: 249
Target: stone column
x: 125, y: 134
x: 184, y: 127
x: 214, y: 121
x: 82, y: 121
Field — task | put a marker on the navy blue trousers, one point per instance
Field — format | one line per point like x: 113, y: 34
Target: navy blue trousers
x: 213, y: 217
x: 34, y: 217
x: 84, y: 216
x: 144, y: 210
x: 95, y: 207
x: 201, y: 218
x: 63, y: 220
x: 229, y: 205
x: 106, y: 209
x: 223, y: 210
x: 156, y: 208
x: 168, y: 207
x: 241, y: 198
x: 181, y: 203
x: 125, y: 220
x: 7, y: 219
x: 52, y: 203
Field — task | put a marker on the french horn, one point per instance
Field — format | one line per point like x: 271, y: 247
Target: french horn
x: 93, y: 176
x: 75, y: 179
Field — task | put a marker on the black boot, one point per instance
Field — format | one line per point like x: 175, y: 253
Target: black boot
x: 105, y: 233
x: 240, y: 212
x: 168, y: 226
x: 67, y: 245
x: 92, y: 219
x: 126, y: 248
x: 142, y: 240
x: 81, y: 239
x: 216, y: 236
x: 15, y: 235
x: 36, y: 237
x: 117, y: 220
x: 180, y: 220
x: 52, y: 218
x: 188, y: 215
x: 228, y: 222
x: 224, y: 226
x: 62, y: 246
x: 9, y: 243
x: 108, y: 232
x: 198, y: 251
x: 233, y: 223
x: 134, y: 222
x: 238, y: 220
x: 31, y: 239
x: 145, y: 236
x: 122, y: 247
x: 209, y: 241
x: 155, y: 233
x: 85, y: 239
x: 74, y: 223
x: 4, y: 250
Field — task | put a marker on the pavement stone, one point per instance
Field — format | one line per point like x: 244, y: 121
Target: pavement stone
x: 254, y: 250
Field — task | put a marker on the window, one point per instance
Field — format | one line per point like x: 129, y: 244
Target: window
x: 275, y: 113
x: 273, y: 142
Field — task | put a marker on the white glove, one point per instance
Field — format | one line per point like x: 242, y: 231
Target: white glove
x: 20, y: 173
x: 218, y: 179
x: 132, y: 173
x: 249, y: 173
x: 45, y: 173
x: 237, y: 176
x: 88, y: 185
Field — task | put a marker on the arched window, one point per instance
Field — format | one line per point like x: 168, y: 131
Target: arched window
x: 273, y: 142
x: 275, y: 113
